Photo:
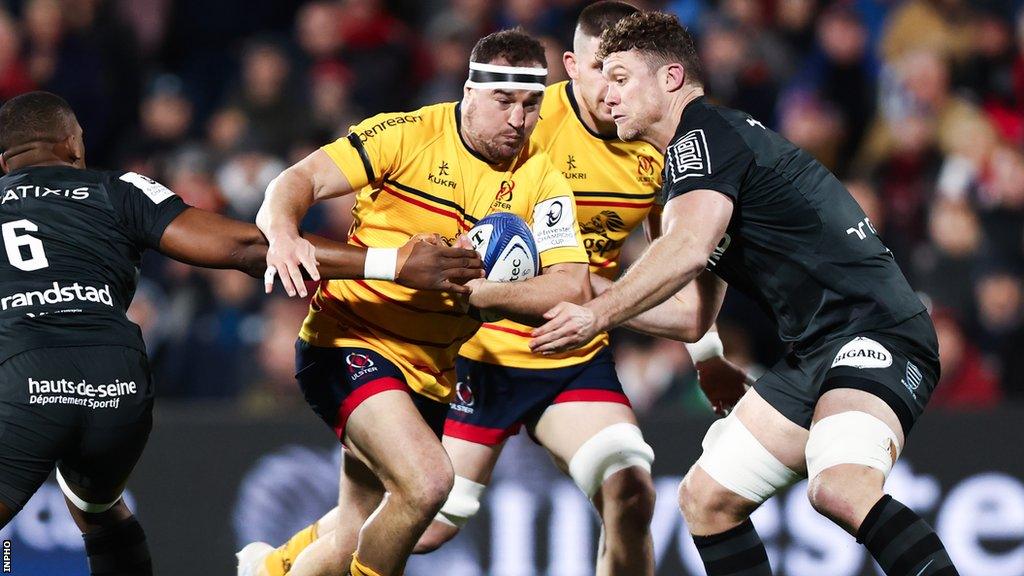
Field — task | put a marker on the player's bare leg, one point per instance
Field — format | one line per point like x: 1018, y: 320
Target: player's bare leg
x: 851, y: 495
x: 718, y: 516
x: 473, y: 462
x: 360, y: 494
x: 387, y: 433
x: 625, y: 499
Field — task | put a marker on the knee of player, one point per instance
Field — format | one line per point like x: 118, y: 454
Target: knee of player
x: 426, y: 492
x: 629, y: 496
x: 849, y: 456
x: 701, y: 497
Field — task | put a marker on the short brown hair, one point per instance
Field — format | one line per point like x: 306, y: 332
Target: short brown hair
x: 600, y: 16
x: 659, y: 36
x: 515, y: 46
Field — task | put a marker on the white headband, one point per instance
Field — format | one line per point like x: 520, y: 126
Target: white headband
x: 498, y: 77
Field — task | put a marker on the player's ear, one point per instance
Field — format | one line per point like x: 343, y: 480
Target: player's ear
x: 570, y: 63
x: 3, y: 162
x: 674, y: 76
x: 68, y: 149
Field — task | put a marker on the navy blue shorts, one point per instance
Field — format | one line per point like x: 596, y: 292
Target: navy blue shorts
x: 493, y: 402
x: 335, y: 381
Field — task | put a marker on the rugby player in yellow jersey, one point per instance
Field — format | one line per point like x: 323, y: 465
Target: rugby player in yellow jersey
x: 376, y: 360
x: 573, y: 403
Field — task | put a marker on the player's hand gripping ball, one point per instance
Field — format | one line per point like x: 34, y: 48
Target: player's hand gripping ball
x: 505, y: 243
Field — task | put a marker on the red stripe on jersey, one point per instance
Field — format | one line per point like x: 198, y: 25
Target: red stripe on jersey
x: 605, y: 264
x: 614, y: 204
x: 360, y: 395
x: 425, y: 206
x: 405, y: 305
x: 592, y: 396
x: 508, y: 330
x: 478, y: 434
x: 355, y: 239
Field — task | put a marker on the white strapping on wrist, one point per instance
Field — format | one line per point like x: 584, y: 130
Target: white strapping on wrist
x: 708, y: 347
x: 381, y: 263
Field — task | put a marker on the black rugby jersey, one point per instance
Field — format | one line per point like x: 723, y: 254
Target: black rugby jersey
x: 797, y: 243
x: 73, y: 240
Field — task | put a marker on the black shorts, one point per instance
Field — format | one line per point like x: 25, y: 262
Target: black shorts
x: 86, y: 409
x: 900, y: 365
x: 335, y: 381
x: 493, y: 402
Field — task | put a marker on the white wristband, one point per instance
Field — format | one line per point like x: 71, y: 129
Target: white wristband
x: 708, y: 347
x: 381, y: 263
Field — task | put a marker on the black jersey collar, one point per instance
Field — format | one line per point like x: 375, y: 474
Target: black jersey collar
x: 576, y: 108
x: 698, y: 103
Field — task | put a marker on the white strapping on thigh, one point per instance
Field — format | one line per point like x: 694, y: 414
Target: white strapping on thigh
x: 614, y: 448
x: 850, y: 438
x: 734, y: 458
x: 78, y: 502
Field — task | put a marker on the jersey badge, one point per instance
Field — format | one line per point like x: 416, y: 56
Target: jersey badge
x: 688, y: 157
x: 644, y: 168
x: 156, y: 191
x: 503, y: 199
x: 553, y: 224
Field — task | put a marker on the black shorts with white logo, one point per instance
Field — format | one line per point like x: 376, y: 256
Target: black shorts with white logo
x: 85, y: 409
x: 900, y: 365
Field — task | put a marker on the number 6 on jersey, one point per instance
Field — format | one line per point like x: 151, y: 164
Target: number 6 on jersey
x: 13, y: 243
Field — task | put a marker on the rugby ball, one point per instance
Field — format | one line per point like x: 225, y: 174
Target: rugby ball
x: 505, y: 244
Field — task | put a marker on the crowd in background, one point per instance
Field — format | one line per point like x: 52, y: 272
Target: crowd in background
x: 917, y: 105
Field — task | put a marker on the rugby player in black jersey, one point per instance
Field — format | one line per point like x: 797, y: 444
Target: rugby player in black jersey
x: 771, y: 221
x: 75, y: 387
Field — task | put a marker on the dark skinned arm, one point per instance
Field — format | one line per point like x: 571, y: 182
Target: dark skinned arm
x: 210, y: 240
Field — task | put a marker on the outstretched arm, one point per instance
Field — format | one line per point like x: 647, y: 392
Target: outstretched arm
x: 289, y: 196
x: 207, y: 239
x: 694, y: 223
x: 685, y: 316
x: 689, y: 315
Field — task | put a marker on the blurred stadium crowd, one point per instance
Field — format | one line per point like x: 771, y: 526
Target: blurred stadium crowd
x: 917, y: 104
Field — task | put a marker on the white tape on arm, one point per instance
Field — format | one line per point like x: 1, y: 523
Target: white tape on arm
x: 708, y: 347
x: 381, y: 263
x: 78, y: 502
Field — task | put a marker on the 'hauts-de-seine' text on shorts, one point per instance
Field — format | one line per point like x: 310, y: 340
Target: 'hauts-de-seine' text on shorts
x: 79, y: 393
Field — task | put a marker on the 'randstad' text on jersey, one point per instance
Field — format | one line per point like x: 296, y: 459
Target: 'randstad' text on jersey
x: 72, y: 241
x: 797, y: 242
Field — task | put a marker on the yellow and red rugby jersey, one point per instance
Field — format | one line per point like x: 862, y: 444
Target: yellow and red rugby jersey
x: 415, y: 175
x: 614, y: 183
